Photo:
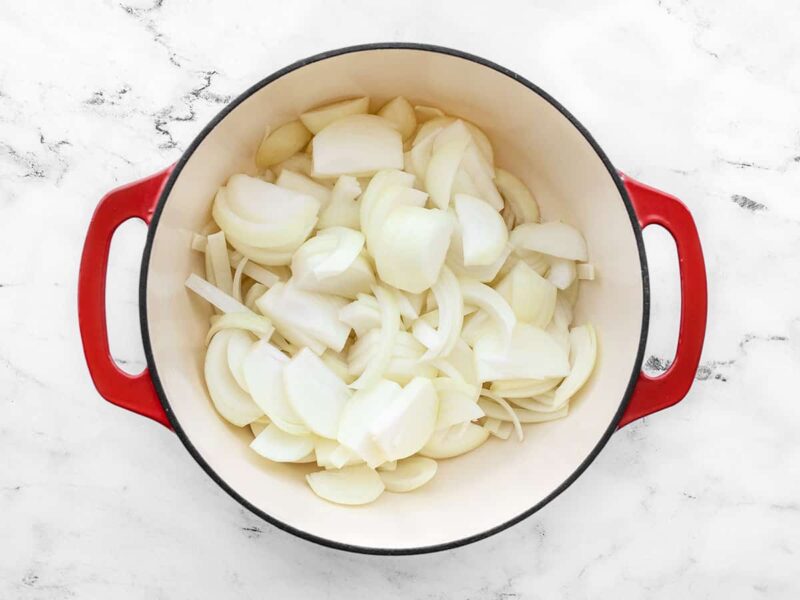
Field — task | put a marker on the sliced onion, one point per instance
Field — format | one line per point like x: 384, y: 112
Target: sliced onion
x: 337, y: 364
x: 327, y: 452
x: 299, y: 163
x: 562, y: 272
x: 316, y: 393
x: 256, y: 291
x: 487, y: 299
x: 248, y: 321
x: 263, y: 372
x: 282, y: 143
x: 239, y: 344
x: 237, y: 278
x: 265, y: 256
x: 231, y: 401
x: 517, y: 196
x: 419, y: 157
x: 483, y: 233
x: 401, y: 113
x: 359, y: 415
x: 500, y: 401
x: 389, y: 465
x: 262, y: 214
x: 319, y: 118
x: 343, y: 208
x: 358, y: 144
x: 390, y: 324
x: 457, y: 402
x: 257, y: 426
x: 583, y: 349
x: 463, y: 184
x: 535, y: 405
x: 385, y: 203
x: 495, y: 411
x: 442, y: 168
x: 531, y: 296
x: 349, y: 244
x: 412, y: 247
x: 459, y: 364
x: 455, y: 441
x: 304, y: 185
x: 217, y: 250
x: 409, y: 474
x: 426, y: 113
x: 409, y: 421
x: 278, y: 446
x: 352, y: 486
x: 524, y: 388
x: 481, y: 173
x: 531, y: 354
x: 355, y: 279
x: 455, y: 260
x: 363, y: 314
x: 214, y: 295
x: 316, y: 316
x: 447, y: 292
x: 585, y: 271
x: 498, y: 428
x: 553, y: 238
x: 375, y: 189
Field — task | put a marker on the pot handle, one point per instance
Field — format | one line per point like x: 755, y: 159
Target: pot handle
x: 133, y: 392
x: 653, y: 394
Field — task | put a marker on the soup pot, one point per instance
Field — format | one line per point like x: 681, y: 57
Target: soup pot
x: 535, y: 137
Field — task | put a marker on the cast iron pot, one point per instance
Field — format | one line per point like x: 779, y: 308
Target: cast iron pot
x: 475, y: 495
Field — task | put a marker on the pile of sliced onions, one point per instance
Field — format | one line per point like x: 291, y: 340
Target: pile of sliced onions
x: 385, y: 297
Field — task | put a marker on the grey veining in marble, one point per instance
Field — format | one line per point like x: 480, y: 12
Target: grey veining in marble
x: 696, y: 97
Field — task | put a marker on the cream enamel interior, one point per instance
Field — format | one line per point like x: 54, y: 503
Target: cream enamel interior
x: 501, y: 480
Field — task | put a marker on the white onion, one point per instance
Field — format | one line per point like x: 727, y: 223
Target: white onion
x: 531, y: 354
x: 390, y: 324
x: 483, y: 233
x: 401, y: 113
x: 409, y: 474
x: 517, y: 196
x: 554, y: 238
x: 282, y: 143
x: 351, y: 485
x: 230, y: 400
x: 358, y: 144
x: 343, y: 208
x: 278, y: 446
x: 317, y: 119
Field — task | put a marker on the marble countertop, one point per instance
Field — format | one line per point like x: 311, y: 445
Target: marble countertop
x: 691, y: 96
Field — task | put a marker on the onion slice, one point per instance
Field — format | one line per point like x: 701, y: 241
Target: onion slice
x: 214, y: 296
x: 483, y: 233
x: 409, y: 474
x: 358, y: 144
x: 487, y: 299
x: 390, y: 325
x: 553, y: 238
x: 583, y: 350
x: 231, y: 401
x: 455, y: 441
x: 278, y: 446
x: 447, y: 292
x: 352, y: 486
x: 517, y: 196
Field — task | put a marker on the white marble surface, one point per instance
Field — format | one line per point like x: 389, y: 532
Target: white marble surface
x: 692, y: 96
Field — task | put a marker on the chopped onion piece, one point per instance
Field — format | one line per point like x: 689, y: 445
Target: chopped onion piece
x: 585, y: 271
x: 553, y: 238
x: 263, y: 372
x: 495, y: 411
x: 316, y: 393
x: 442, y: 168
x: 409, y: 474
x: 583, y: 350
x: 562, y: 272
x: 457, y: 402
x: 517, y: 196
x: 278, y: 446
x: 382, y: 181
x: 498, y: 428
x: 531, y: 296
x: 214, y: 295
x: 231, y: 401
x: 412, y: 247
x: 389, y: 465
x: 264, y: 256
x: 363, y: 314
x: 327, y: 451
x: 405, y: 426
x: 358, y: 144
x: 524, y: 388
x: 426, y: 113
x: 356, y: 278
x: 337, y: 364
x: 304, y: 185
x: 300, y: 163
x: 419, y: 157
x: 318, y: 119
x: 315, y: 316
x: 257, y: 426
x: 237, y: 279
x: 256, y: 291
x: 400, y: 112
x: 248, y: 321
x: 390, y: 324
x: 487, y: 299
x: 455, y: 441
x: 531, y: 354
x: 343, y: 208
x: 481, y: 173
x: 447, y: 292
x: 499, y: 400
x: 390, y: 198
x: 349, y: 244
x: 351, y: 485
x: 360, y: 413
x: 483, y: 233
x: 217, y: 249
x: 282, y: 143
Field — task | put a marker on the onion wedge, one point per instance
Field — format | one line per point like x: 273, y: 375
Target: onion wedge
x: 409, y: 474
x: 352, y: 486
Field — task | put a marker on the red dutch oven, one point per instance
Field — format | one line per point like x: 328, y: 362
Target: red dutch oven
x: 475, y: 495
